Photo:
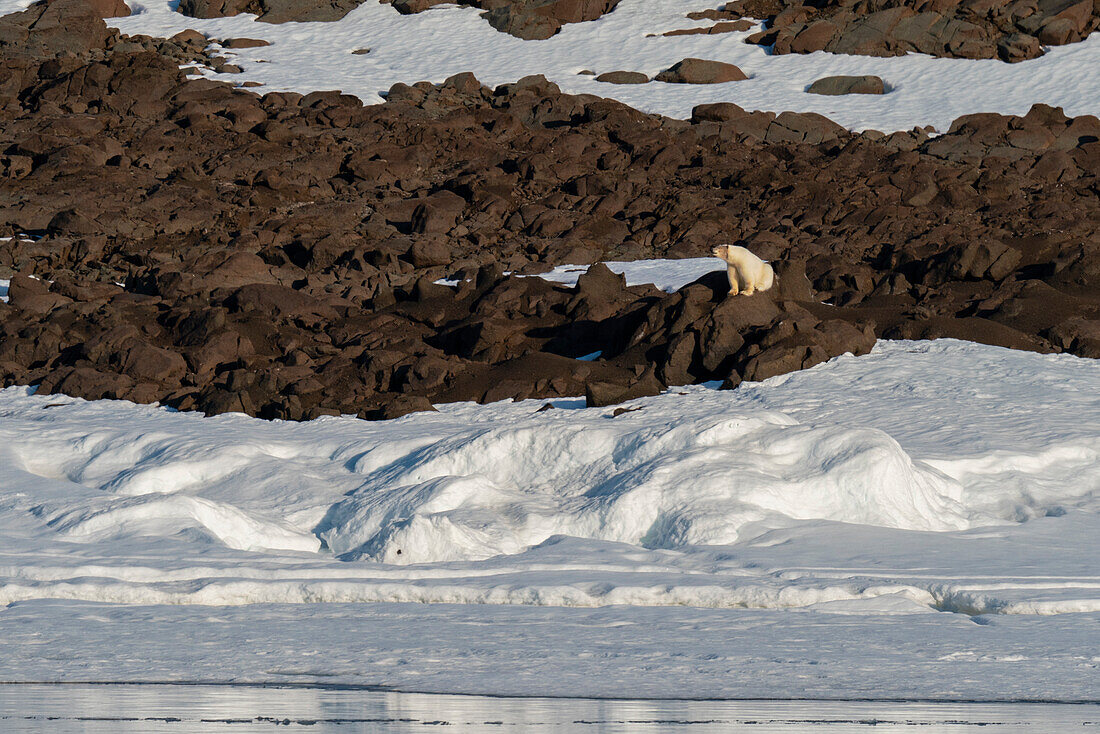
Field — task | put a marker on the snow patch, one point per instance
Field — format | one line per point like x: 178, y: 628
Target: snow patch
x: 667, y: 275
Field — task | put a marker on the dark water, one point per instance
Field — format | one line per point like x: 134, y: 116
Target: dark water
x: 213, y: 708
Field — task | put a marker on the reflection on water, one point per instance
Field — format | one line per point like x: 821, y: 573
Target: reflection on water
x: 212, y: 708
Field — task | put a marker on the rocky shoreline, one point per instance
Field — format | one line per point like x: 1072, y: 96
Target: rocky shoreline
x: 199, y: 245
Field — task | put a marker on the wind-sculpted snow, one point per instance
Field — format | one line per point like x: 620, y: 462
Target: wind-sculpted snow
x: 658, y: 477
x: 914, y: 476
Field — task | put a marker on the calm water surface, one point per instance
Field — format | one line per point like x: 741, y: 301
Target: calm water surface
x: 220, y: 708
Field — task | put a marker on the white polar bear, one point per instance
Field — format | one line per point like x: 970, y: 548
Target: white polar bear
x: 747, y: 272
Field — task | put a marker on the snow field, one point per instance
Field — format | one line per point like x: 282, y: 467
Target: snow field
x: 890, y: 483
x: 448, y: 39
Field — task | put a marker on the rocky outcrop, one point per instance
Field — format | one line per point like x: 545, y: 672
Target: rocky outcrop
x: 54, y: 29
x: 1012, y: 30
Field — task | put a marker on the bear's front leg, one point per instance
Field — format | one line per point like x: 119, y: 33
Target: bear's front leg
x: 735, y: 285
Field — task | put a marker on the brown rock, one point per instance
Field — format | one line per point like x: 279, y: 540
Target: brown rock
x: 701, y: 71
x: 245, y: 43
x: 145, y: 362
x: 58, y: 27
x: 399, y: 406
x: 599, y: 282
x: 1019, y: 47
x: 602, y: 394
x: 437, y: 213
x: 1078, y: 335
x: 838, y: 85
x: 806, y: 127
x: 984, y: 259
x: 777, y: 360
x: 716, y: 112
x: 190, y: 37
x: 623, y: 77
x: 32, y: 295
x: 722, y: 27
x: 428, y: 251
x: 110, y: 8
x: 87, y: 383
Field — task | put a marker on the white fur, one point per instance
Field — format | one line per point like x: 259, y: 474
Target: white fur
x: 747, y: 272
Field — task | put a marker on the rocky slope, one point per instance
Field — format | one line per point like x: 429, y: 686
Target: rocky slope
x: 277, y: 254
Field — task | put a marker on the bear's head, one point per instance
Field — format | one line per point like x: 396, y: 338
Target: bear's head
x: 722, y: 252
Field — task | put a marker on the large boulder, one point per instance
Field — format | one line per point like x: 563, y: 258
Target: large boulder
x: 49, y: 29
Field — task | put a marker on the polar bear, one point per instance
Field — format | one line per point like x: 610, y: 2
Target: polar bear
x: 747, y: 272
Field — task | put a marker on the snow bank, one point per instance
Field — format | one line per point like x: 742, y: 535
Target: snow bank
x: 901, y: 475
x: 446, y: 40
